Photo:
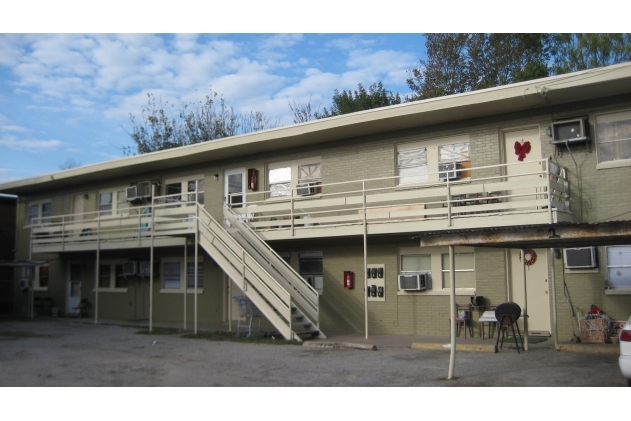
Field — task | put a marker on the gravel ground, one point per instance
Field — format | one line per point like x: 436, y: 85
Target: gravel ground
x: 59, y: 352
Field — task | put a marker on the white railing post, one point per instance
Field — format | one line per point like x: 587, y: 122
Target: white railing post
x: 365, y: 259
x: 449, y: 222
x: 549, y: 191
x: 291, y: 212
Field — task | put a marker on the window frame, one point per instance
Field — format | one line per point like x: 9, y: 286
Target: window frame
x: 34, y: 273
x: 312, y: 255
x: 183, y: 181
x: 432, y: 147
x: 40, y: 212
x: 615, y: 162
x: 294, y: 180
x: 116, y: 210
x: 112, y: 264
x: 612, y: 289
x: 183, y: 275
x: 436, y: 271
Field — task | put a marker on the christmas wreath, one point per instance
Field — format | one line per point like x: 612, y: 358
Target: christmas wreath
x: 528, y: 261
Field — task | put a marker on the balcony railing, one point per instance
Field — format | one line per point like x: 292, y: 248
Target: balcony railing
x: 492, y: 196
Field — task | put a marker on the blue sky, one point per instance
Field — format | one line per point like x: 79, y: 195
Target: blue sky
x: 69, y: 96
x: 70, y: 75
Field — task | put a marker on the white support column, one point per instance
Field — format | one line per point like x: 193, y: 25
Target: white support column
x: 153, y: 229
x: 196, y: 262
x: 452, y: 311
x: 185, y: 280
x: 553, y: 285
x: 524, y: 311
x: 365, y: 260
x: 96, y: 272
x: 226, y: 277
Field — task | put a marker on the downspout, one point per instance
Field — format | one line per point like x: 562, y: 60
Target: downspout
x: 452, y: 312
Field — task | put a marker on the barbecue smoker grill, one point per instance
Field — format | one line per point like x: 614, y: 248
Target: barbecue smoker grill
x: 507, y: 315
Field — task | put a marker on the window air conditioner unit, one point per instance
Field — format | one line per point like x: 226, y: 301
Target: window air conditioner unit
x: 413, y: 281
x: 25, y: 284
x: 570, y: 131
x: 306, y: 189
x: 130, y: 268
x: 144, y: 189
x: 580, y: 258
x: 448, y: 171
x: 132, y: 193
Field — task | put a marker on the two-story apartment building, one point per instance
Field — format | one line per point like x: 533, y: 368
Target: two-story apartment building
x: 346, y: 222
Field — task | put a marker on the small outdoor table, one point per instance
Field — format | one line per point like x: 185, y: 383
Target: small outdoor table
x: 488, y: 318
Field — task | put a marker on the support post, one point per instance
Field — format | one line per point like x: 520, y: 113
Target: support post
x: 452, y: 311
x: 196, y: 263
x: 524, y: 312
x: 365, y: 260
x: 153, y: 229
x: 553, y: 285
x: 185, y: 280
x: 96, y: 271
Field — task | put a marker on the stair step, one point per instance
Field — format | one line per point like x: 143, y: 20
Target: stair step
x: 308, y: 334
x: 302, y: 324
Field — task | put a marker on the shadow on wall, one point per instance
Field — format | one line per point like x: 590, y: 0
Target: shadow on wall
x: 339, y: 306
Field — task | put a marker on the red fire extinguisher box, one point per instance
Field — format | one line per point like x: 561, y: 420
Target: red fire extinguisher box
x: 349, y: 279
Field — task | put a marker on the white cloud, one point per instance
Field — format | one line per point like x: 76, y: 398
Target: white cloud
x: 350, y: 43
x: 32, y: 145
x: 7, y: 125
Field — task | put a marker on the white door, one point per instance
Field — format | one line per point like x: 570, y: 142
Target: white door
x: 78, y: 201
x: 234, y: 186
x: 74, y: 287
x: 536, y: 288
x: 530, y: 162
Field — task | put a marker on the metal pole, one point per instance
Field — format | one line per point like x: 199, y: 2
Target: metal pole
x: 226, y: 277
x: 509, y: 277
x: 452, y: 311
x: 365, y: 260
x: 196, y: 263
x: 153, y: 228
x: 552, y: 285
x: 525, y: 309
x: 185, y: 280
x: 96, y: 272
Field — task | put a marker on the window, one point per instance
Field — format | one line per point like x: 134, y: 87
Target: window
x: 194, y: 185
x: 614, y: 136
x: 173, y: 274
x: 113, y: 202
x: 38, y: 212
x: 112, y: 278
x: 435, y: 261
x: 464, y: 270
x: 311, y: 268
x: 190, y: 274
x: 418, y: 162
x: 281, y: 177
x: 39, y: 275
x: 619, y: 267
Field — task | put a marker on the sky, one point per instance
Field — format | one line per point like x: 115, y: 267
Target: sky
x: 69, y: 96
x: 70, y: 77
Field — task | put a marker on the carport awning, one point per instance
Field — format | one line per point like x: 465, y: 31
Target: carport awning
x: 21, y: 263
x: 549, y: 236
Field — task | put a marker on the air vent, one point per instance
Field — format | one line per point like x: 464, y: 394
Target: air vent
x: 570, y: 131
x: 448, y: 171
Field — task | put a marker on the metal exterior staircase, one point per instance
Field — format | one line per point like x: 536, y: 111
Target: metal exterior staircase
x: 285, y: 298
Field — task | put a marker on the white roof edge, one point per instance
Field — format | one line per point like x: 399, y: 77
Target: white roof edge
x: 537, y: 86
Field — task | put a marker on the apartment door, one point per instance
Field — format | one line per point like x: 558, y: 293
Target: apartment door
x: 530, y: 162
x: 536, y: 289
x: 78, y: 201
x: 74, y: 287
x: 234, y: 186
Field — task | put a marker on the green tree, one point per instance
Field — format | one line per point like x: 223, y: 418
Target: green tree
x: 574, y: 52
x: 459, y: 63
x: 361, y: 99
x: 160, y: 128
